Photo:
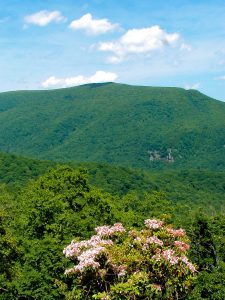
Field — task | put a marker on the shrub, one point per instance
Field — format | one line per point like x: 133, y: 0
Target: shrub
x: 146, y: 264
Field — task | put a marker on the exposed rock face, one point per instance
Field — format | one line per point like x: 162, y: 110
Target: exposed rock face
x: 156, y: 155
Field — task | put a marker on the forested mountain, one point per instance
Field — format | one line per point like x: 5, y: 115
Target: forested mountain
x: 150, y: 127
x: 105, y: 153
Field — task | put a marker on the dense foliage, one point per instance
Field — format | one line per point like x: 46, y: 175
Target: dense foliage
x: 146, y: 264
x: 190, y: 187
x: 115, y: 123
x: 43, y: 216
x: 8, y: 253
x: 175, y: 138
x: 18, y: 170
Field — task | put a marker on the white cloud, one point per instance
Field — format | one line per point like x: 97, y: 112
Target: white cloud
x: 51, y: 81
x: 139, y: 41
x: 99, y: 76
x: 221, y: 77
x: 44, y: 17
x: 93, y: 26
x: 194, y: 86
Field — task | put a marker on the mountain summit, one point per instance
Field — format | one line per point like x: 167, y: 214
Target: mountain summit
x: 150, y: 127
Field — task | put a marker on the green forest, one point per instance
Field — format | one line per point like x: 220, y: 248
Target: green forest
x: 133, y: 126
x: 143, y: 165
x: 44, y: 206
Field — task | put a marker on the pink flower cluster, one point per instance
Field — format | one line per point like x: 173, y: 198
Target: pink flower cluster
x: 87, y: 259
x: 181, y: 246
x: 190, y: 266
x: 95, y: 253
x: 153, y: 224
x: 176, y: 232
x: 87, y: 252
x: 110, y: 231
x: 169, y: 255
x: 76, y: 248
x: 154, y: 240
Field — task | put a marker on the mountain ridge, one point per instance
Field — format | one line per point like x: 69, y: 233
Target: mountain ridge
x: 137, y: 126
x: 92, y: 85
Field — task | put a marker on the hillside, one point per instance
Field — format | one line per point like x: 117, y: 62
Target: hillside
x: 147, y: 127
x: 39, y: 217
x: 190, y: 187
x: 19, y: 170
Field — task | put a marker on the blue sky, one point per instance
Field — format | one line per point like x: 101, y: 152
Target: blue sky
x: 52, y: 44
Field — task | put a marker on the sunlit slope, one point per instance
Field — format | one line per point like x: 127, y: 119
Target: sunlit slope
x: 151, y: 127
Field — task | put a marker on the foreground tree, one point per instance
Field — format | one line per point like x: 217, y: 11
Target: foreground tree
x: 50, y: 206
x: 115, y: 264
x: 208, y: 252
x: 9, y: 254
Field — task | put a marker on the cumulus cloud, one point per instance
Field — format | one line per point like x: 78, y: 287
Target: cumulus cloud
x: 93, y: 26
x: 43, y: 18
x: 139, y: 41
x: 99, y: 76
x: 193, y: 86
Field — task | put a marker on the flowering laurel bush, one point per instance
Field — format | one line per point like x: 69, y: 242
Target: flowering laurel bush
x: 146, y: 264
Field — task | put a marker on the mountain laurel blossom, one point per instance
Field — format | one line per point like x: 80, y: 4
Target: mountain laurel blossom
x: 146, y: 264
x: 110, y: 231
x: 181, y: 245
x: 154, y: 239
x: 176, y: 232
x: 153, y: 224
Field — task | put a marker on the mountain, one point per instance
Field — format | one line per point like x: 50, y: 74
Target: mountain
x: 193, y: 188
x: 145, y: 127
